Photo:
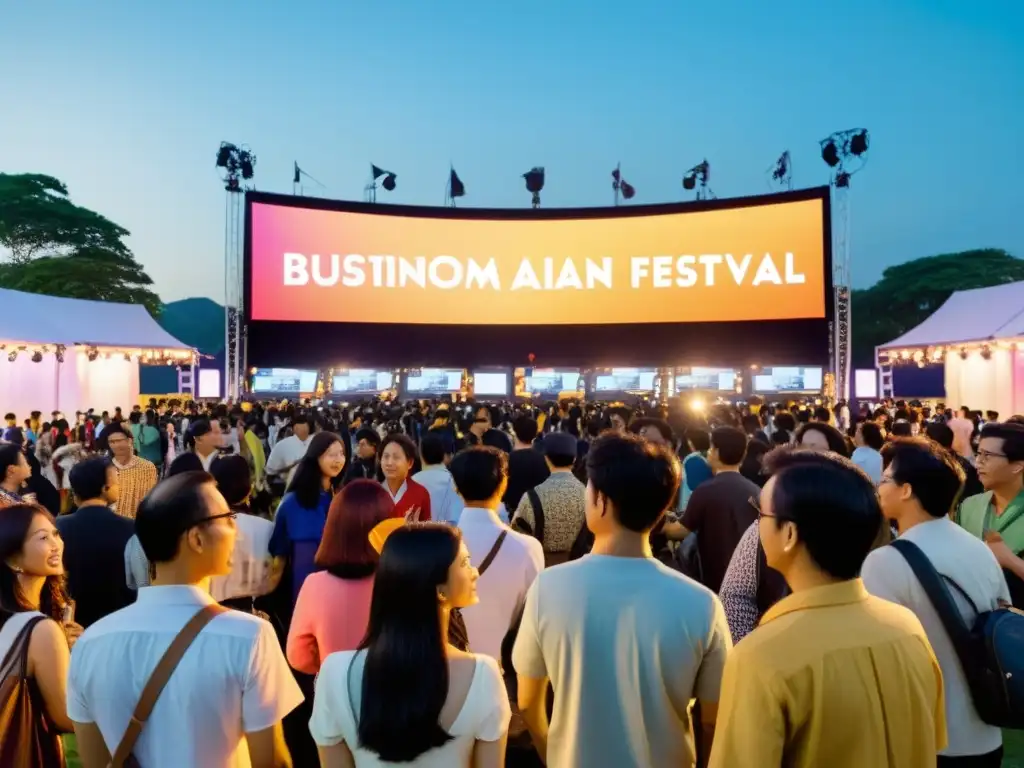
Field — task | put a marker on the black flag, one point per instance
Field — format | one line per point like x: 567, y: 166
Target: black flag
x: 456, y: 187
x: 298, y: 175
x: 377, y: 172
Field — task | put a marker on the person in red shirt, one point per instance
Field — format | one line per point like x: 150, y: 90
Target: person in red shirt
x: 397, y: 456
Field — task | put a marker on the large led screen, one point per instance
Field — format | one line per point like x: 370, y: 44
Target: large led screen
x: 434, y: 381
x: 626, y: 380
x: 551, y: 381
x: 720, y: 379
x: 785, y: 379
x: 362, y: 381
x: 283, y: 381
x: 755, y: 262
x: 490, y: 383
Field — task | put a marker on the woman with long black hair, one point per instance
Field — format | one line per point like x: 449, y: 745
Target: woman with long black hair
x: 407, y: 696
x: 34, y: 638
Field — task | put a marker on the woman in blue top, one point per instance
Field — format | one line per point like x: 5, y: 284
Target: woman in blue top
x: 299, y: 523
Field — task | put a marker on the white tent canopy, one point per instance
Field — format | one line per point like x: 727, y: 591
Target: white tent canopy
x: 31, y: 323
x: 981, y: 314
x: 33, y: 317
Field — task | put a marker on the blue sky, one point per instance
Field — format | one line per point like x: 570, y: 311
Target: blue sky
x: 127, y: 102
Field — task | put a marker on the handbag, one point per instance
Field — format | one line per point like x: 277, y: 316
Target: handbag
x: 28, y: 738
x: 123, y: 757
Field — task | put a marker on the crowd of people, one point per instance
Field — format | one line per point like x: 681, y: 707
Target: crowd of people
x: 484, y: 584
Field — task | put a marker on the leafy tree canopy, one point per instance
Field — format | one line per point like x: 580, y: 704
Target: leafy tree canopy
x: 62, y: 249
x: 910, y: 292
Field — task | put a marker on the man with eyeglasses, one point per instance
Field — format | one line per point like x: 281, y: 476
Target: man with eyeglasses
x: 135, y: 476
x: 224, y: 700
x: 997, y: 516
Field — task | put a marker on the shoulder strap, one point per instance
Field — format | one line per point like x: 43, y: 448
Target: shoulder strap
x: 492, y: 554
x: 940, y: 598
x: 538, y: 514
x: 158, y: 679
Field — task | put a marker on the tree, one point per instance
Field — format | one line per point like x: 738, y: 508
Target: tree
x: 910, y: 292
x: 62, y: 249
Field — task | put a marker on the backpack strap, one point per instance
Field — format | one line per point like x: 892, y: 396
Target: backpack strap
x: 941, y: 599
x: 158, y: 680
x: 538, y: 514
x: 492, y: 554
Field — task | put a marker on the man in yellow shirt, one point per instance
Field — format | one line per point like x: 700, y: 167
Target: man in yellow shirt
x: 832, y: 677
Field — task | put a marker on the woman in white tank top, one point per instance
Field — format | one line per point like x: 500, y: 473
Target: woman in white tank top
x: 406, y: 696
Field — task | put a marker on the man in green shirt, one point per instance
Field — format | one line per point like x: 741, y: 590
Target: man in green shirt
x: 997, y: 515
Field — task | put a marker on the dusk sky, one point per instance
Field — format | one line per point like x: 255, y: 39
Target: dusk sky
x: 126, y: 102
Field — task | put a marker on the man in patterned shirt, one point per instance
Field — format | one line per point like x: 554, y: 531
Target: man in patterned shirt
x: 135, y: 476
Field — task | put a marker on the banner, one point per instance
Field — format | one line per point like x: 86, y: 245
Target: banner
x: 756, y: 262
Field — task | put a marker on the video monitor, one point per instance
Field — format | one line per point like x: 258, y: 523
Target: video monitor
x: 786, y: 379
x: 551, y: 381
x: 434, y: 381
x: 626, y: 380
x: 716, y: 379
x: 494, y: 383
x: 283, y: 381
x: 362, y: 381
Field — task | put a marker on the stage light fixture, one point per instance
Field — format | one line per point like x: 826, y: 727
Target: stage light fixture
x: 389, y: 182
x: 842, y: 180
x: 699, y: 175
x: 12, y: 356
x: 37, y: 356
x: 535, y: 183
x: 859, y: 143
x: 830, y: 153
x: 238, y: 163
x: 224, y: 154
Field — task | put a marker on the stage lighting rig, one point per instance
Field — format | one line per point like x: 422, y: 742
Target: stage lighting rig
x: 841, y: 148
x: 621, y: 186
x: 535, y: 183
x: 697, y: 178
x: 782, y: 171
x: 388, y: 182
x: 238, y: 163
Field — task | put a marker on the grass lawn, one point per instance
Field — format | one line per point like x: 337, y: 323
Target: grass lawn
x: 1013, y: 743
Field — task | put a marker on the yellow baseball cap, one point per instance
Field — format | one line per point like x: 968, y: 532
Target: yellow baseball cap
x: 384, y: 529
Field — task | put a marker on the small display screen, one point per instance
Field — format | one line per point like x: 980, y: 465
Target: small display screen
x: 720, y: 379
x: 551, y: 381
x: 283, y: 380
x: 362, y: 381
x: 435, y: 381
x: 627, y: 380
x: 490, y: 383
x: 788, y: 380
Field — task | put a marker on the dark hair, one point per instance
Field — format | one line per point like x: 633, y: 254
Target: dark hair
x: 478, y: 472
x: 901, y: 429
x: 1012, y: 436
x: 197, y: 429
x: 934, y: 475
x: 369, y: 435
x: 659, y: 424
x: 833, y: 504
x: 700, y: 439
x: 940, y: 433
x: 751, y: 423
x: 8, y: 458
x: 171, y: 508
x: 871, y: 434
x: 405, y: 677
x: 15, y: 524
x: 345, y: 548
x: 403, y: 441
x: 821, y: 413
x: 640, y: 479
x: 560, y: 460
x: 785, y: 421
x: 731, y: 444
x: 233, y: 478
x: 88, y: 478
x: 307, y: 483
x: 433, y: 448
x: 525, y: 429
x: 185, y: 462
x: 495, y: 438
x: 834, y: 438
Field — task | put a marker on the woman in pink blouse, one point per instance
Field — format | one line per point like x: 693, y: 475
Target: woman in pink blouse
x: 333, y: 606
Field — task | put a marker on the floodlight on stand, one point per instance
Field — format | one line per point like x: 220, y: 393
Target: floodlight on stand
x: 859, y: 142
x: 389, y: 182
x: 782, y: 171
x: 224, y: 154
x: 37, y: 356
x: 830, y: 153
x: 535, y: 183
x: 697, y: 178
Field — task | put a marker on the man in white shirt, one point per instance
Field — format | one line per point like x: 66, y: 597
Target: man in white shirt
x: 481, y: 475
x: 287, y: 453
x: 626, y: 641
x: 436, y: 449
x: 866, y: 455
x: 920, y: 485
x: 225, y: 700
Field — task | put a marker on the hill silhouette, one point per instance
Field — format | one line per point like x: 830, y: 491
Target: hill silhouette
x: 199, y: 322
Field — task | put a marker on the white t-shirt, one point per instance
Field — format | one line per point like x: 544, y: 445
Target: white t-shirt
x: 969, y: 562
x: 626, y: 643
x: 502, y: 588
x: 870, y: 461
x: 232, y: 680
x: 249, y: 572
x: 484, y: 715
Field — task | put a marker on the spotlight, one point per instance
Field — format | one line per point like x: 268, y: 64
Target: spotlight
x: 92, y: 354
x: 246, y: 161
x: 859, y: 143
x: 12, y: 356
x: 689, y: 181
x: 389, y: 182
x: 535, y: 183
x: 830, y: 153
x: 37, y: 356
x: 389, y: 178
x: 699, y: 174
x: 224, y: 154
